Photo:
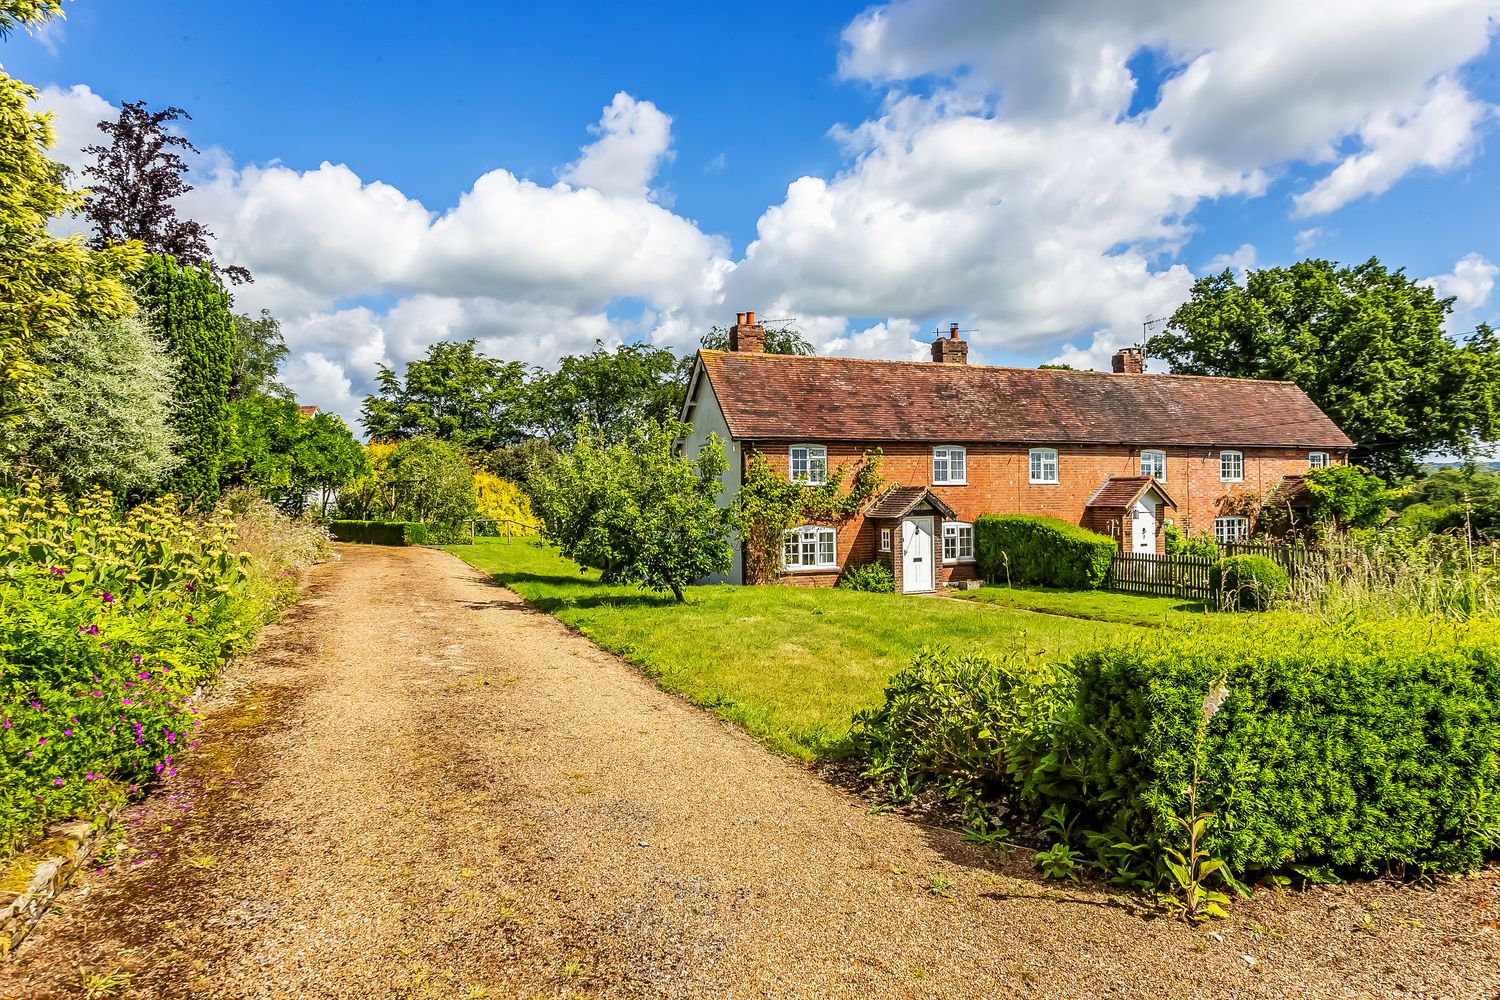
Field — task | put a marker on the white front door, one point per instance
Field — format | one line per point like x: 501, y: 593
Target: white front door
x: 1143, y: 525
x: 917, y: 567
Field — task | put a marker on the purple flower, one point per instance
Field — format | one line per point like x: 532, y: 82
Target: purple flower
x: 191, y: 618
x: 108, y: 598
x: 146, y: 675
x: 191, y: 588
x: 67, y: 732
x: 89, y: 629
x: 59, y: 571
x: 136, y: 659
x: 58, y: 782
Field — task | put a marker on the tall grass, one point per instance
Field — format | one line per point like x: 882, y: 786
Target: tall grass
x: 1395, y: 575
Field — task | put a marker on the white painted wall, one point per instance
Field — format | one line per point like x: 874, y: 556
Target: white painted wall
x: 707, y: 418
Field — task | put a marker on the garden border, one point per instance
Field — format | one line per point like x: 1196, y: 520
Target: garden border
x: 53, y: 874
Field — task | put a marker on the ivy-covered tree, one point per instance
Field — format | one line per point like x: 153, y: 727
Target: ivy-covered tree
x: 1366, y: 343
x: 259, y: 350
x: 611, y: 392
x: 134, y: 181
x: 455, y: 394
x: 637, y: 511
x: 102, y: 418
x: 48, y: 286
x: 189, y: 310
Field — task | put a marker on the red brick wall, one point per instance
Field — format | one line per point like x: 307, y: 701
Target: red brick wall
x: 999, y: 483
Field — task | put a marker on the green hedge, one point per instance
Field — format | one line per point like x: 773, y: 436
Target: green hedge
x: 1248, y: 582
x: 1042, y: 550
x: 1358, y: 747
x: 380, y: 532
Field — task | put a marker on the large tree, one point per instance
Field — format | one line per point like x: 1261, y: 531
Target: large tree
x: 103, y: 418
x: 455, y: 394
x: 48, y: 285
x: 189, y: 309
x: 1366, y: 343
x: 637, y: 511
x: 608, y: 391
x: 259, y: 350
x: 135, y: 180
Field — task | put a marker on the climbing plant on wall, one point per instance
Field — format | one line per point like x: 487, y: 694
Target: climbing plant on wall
x: 769, y: 504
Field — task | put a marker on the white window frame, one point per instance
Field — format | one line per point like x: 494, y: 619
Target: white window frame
x: 814, y: 464
x: 1158, y: 460
x: 885, y: 539
x: 810, y: 541
x: 1038, y: 458
x: 1317, y: 460
x: 944, y: 458
x: 1239, y: 463
x: 1231, y: 529
x: 958, y: 532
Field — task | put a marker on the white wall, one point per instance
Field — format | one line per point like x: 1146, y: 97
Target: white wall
x: 707, y: 418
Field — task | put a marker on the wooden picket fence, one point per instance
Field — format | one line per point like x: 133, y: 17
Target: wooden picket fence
x: 1162, y: 576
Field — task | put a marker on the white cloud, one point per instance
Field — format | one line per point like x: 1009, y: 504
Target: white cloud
x: 1240, y: 261
x: 1306, y: 239
x: 635, y: 139
x: 1470, y: 284
x: 76, y: 112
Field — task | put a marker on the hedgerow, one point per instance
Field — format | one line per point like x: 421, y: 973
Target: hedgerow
x: 1019, y: 548
x: 380, y: 532
x: 108, y: 622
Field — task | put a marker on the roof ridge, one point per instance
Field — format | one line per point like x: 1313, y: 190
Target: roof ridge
x: 937, y: 366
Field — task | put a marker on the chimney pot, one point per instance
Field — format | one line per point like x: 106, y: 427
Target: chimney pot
x: 750, y: 317
x: 952, y: 331
x: 747, y: 336
x: 950, y: 350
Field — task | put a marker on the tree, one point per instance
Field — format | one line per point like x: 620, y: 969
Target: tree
x: 637, y: 511
x: 430, y: 480
x: 1365, y: 343
x: 779, y: 340
x: 259, y: 349
x: 135, y: 180
x: 453, y: 394
x: 327, y: 458
x: 50, y: 285
x: 285, y: 456
x: 26, y: 14
x: 103, y: 416
x: 1347, y: 496
x: 609, y: 392
x: 189, y: 310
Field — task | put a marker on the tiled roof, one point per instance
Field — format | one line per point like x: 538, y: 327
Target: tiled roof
x: 1289, y: 491
x: 898, y: 501
x: 779, y: 397
x: 1122, y: 491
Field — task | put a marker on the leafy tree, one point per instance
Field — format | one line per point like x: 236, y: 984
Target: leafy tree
x: 526, y: 464
x: 502, y: 500
x: 285, y: 456
x: 1347, y: 496
x: 50, y: 285
x: 1366, y: 343
x: 429, y: 480
x: 259, y: 350
x: 779, y: 340
x: 608, y: 392
x: 103, y: 416
x: 26, y: 14
x: 189, y: 309
x: 637, y: 511
x: 453, y: 394
x: 136, y: 178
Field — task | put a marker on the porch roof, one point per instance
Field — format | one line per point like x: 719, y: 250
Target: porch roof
x: 898, y: 501
x: 1119, y: 492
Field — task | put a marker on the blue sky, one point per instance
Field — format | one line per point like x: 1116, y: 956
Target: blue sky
x: 539, y: 176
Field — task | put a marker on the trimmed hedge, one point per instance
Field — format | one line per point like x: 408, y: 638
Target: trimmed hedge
x: 380, y: 532
x: 1359, y: 747
x: 1248, y: 582
x: 1041, y: 550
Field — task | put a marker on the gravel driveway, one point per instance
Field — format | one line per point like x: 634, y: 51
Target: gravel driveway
x: 421, y: 787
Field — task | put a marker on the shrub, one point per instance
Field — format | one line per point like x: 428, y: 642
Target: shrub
x: 973, y: 727
x: 873, y: 578
x: 1359, y: 747
x: 1179, y: 543
x: 380, y: 532
x: 1042, y: 550
x: 1249, y: 582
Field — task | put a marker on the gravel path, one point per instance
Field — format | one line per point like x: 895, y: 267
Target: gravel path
x: 421, y: 787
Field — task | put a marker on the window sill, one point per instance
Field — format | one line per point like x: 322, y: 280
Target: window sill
x: 959, y: 562
x: 1239, y: 480
x: 950, y: 482
x: 1046, y: 482
x: 800, y: 570
x: 808, y: 482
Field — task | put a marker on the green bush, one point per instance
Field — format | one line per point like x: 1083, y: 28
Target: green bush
x: 873, y: 578
x: 1248, y: 582
x: 1361, y: 748
x: 974, y: 727
x: 1042, y: 550
x: 380, y: 532
x: 1179, y: 543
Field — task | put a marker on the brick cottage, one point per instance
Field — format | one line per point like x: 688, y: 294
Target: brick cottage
x: 1122, y: 453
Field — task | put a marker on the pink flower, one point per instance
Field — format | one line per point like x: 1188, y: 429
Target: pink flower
x: 108, y: 598
x: 58, y: 782
x: 89, y: 629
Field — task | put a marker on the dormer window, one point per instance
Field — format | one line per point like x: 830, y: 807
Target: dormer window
x: 809, y: 464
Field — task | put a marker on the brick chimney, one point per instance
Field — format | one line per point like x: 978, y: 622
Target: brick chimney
x: 950, y: 350
x: 1129, y: 361
x: 747, y: 336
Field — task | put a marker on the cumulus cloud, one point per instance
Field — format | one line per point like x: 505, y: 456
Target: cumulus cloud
x: 1470, y: 284
x: 635, y: 139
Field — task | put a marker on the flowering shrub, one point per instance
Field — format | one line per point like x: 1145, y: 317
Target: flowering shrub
x: 108, y: 622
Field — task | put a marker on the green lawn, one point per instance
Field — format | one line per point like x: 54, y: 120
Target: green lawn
x: 1100, y: 605
x: 789, y: 664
